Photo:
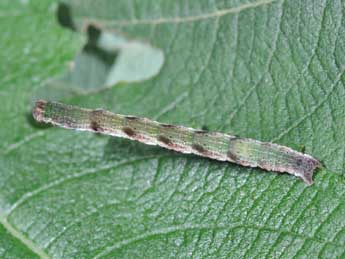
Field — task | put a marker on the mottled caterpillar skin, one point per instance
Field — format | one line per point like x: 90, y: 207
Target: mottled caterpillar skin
x: 214, y: 145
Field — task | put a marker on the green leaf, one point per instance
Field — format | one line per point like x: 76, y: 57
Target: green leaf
x: 269, y: 70
x: 10, y: 247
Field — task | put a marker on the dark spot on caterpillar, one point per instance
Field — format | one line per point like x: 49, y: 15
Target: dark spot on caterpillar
x: 131, y: 118
x: 128, y: 131
x: 199, y: 148
x: 299, y: 162
x: 200, y: 131
x: 266, y: 144
x: 164, y: 140
x: 94, y: 121
x: 306, y: 163
x: 232, y: 156
x: 95, y: 126
x: 167, y: 125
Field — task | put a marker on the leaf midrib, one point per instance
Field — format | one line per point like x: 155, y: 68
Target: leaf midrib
x: 22, y: 238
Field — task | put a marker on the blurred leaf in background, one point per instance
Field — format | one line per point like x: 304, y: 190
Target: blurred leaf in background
x: 269, y: 70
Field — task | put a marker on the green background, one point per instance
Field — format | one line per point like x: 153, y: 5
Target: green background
x: 269, y: 70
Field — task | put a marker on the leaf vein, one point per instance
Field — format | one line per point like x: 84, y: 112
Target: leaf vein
x: 57, y: 182
x: 314, y: 109
x: 200, y: 227
x: 216, y: 14
x: 23, y: 239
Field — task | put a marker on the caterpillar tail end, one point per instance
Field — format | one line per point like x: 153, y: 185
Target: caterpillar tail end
x: 306, y: 172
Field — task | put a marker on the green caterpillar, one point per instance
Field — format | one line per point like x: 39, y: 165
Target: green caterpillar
x: 214, y: 145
